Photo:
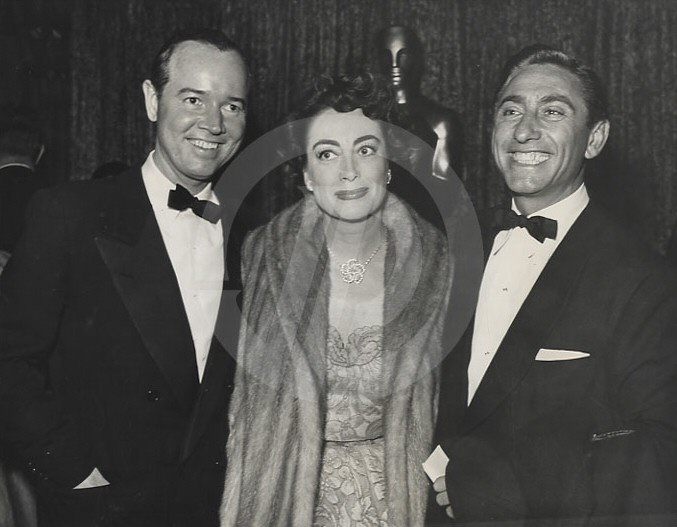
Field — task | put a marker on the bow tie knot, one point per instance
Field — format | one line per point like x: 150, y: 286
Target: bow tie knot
x: 181, y: 199
x: 538, y: 227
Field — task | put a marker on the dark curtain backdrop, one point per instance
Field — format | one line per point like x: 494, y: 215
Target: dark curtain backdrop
x: 95, y: 113
x: 35, y: 70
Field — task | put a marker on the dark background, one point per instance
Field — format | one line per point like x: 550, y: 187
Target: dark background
x: 81, y: 64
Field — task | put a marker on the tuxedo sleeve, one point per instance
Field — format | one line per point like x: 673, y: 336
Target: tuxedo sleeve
x: 635, y: 455
x: 34, y: 291
x: 620, y: 438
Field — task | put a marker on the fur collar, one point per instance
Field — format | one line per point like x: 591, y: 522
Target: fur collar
x: 278, y: 407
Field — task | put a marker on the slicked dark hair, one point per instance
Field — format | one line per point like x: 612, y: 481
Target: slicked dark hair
x: 594, y: 93
x: 342, y: 93
x: 159, y: 73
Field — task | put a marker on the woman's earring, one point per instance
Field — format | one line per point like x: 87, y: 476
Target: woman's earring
x: 309, y: 186
x: 389, y: 177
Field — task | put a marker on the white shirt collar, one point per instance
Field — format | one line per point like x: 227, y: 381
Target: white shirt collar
x: 158, y: 187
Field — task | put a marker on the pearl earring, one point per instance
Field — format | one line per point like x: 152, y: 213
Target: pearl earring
x: 389, y: 177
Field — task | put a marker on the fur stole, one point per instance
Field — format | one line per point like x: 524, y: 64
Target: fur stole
x: 277, y: 412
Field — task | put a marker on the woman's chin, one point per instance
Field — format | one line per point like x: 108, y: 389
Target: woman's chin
x: 352, y: 217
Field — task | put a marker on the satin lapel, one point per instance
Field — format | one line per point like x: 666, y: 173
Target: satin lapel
x: 213, y: 396
x: 534, y: 321
x: 454, y: 388
x: 131, y: 245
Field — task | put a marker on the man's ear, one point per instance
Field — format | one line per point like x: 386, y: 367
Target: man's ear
x: 597, y: 139
x: 150, y: 97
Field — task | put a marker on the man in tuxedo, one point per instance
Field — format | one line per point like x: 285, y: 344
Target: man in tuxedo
x: 560, y: 406
x: 113, y: 389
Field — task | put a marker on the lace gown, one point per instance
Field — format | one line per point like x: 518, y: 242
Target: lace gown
x: 352, y: 480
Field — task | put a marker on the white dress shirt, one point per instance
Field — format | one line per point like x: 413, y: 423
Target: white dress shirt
x: 195, y: 248
x: 515, y: 263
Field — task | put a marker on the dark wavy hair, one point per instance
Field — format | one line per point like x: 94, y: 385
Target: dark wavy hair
x: 343, y: 93
x: 594, y: 94
x: 159, y: 71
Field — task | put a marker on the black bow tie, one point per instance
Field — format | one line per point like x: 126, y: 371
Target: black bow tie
x: 538, y: 226
x: 181, y: 199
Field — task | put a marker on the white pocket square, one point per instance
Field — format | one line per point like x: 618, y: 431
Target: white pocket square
x: 548, y: 355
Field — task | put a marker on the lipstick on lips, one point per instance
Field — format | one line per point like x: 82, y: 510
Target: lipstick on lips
x: 351, y: 194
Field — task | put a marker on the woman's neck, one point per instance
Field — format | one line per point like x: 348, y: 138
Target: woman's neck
x: 355, y: 240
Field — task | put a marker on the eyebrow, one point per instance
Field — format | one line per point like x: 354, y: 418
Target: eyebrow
x: 368, y: 137
x: 203, y: 92
x: 191, y: 90
x: 510, y: 98
x: 326, y: 142
x: 360, y: 139
x: 547, y: 99
x: 558, y: 98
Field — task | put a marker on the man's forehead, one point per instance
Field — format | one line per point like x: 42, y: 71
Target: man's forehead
x: 197, y: 60
x: 192, y: 52
x: 543, y: 82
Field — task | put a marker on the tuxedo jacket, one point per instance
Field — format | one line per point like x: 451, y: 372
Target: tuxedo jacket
x: 587, y: 441
x: 98, y: 367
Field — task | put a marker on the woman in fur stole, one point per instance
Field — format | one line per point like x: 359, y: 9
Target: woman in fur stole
x: 345, y: 294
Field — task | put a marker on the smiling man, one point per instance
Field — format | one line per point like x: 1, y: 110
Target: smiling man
x: 113, y: 389
x: 560, y: 406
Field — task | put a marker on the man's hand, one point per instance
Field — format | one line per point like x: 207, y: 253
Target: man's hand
x: 442, y: 497
x: 95, y: 479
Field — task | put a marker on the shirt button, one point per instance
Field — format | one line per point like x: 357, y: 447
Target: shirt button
x: 153, y: 396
